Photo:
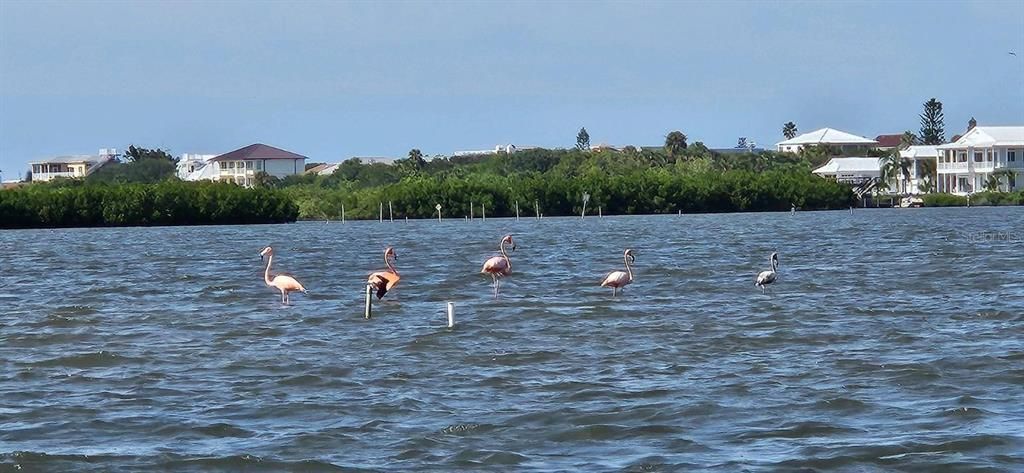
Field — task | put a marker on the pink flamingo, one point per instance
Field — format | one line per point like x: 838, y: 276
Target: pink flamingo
x: 499, y: 266
x: 383, y: 281
x: 617, y: 279
x: 283, y: 283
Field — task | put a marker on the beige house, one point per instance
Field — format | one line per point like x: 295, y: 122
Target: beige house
x: 241, y: 165
x: 71, y: 167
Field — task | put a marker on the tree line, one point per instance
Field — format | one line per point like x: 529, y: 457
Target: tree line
x: 80, y: 204
x: 677, y: 178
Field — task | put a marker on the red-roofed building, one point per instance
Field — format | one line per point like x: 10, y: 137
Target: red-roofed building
x: 241, y: 165
x: 887, y: 142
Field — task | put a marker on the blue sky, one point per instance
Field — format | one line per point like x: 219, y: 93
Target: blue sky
x: 332, y: 80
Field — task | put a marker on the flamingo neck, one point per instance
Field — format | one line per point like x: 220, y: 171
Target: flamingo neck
x: 501, y: 249
x: 387, y: 262
x: 629, y: 270
x: 774, y: 264
x: 266, y: 273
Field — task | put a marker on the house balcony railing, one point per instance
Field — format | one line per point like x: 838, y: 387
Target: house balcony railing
x: 238, y: 172
x: 984, y: 166
x: 42, y: 176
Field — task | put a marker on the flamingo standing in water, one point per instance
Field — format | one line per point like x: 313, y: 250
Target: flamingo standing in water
x: 499, y: 266
x: 617, y: 279
x: 384, y: 280
x: 283, y: 283
x: 764, y: 278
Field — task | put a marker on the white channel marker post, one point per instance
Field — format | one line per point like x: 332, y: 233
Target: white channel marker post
x: 367, y: 308
x: 451, y: 314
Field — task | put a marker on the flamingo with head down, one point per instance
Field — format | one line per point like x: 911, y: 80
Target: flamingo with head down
x: 499, y: 266
x: 285, y: 284
x: 384, y: 281
x: 619, y: 279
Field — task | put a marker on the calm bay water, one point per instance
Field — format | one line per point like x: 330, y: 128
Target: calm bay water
x: 894, y: 339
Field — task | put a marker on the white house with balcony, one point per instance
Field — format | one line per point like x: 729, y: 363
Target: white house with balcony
x: 241, y: 165
x: 965, y: 165
x: 75, y: 166
x: 918, y: 155
x: 845, y: 143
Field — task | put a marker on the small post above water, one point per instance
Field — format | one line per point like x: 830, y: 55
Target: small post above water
x: 369, y: 299
x: 451, y: 314
x: 438, y: 207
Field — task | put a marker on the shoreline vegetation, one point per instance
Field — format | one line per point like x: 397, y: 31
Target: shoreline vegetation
x: 143, y: 190
x: 554, y: 182
x: 80, y: 204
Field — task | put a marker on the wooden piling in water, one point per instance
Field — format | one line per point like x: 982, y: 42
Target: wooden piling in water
x: 369, y: 302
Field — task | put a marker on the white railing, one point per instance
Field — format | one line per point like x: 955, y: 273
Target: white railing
x: 952, y: 166
x: 46, y: 176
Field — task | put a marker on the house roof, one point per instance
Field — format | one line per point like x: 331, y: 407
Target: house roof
x: 827, y: 136
x: 849, y: 165
x: 79, y: 158
x: 982, y: 136
x: 319, y: 167
x: 889, y: 141
x: 920, y: 151
x: 258, y: 151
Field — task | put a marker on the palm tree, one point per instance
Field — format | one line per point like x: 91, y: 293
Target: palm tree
x: 789, y: 130
x: 890, y: 169
x: 908, y: 139
x: 928, y: 177
x: 905, y: 165
x: 999, y: 175
x: 992, y: 183
x: 675, y: 143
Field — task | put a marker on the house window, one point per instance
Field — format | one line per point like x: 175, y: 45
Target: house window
x: 1011, y: 155
x: 248, y: 164
x: 231, y: 165
x: 223, y: 165
x: 259, y: 165
x: 977, y: 156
